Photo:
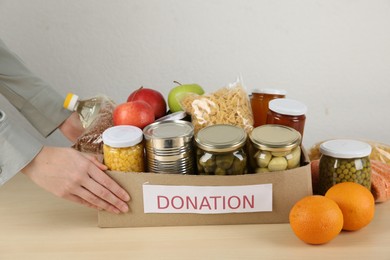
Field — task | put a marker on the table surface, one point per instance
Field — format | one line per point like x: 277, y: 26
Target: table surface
x: 35, y: 224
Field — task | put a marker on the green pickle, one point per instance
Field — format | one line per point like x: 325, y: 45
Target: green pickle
x: 221, y: 154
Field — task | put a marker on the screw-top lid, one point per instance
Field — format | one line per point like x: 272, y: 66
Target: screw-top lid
x: 286, y: 106
x: 345, y: 148
x: 70, y: 101
x: 122, y: 136
x: 221, y: 138
x: 270, y: 91
x: 272, y: 137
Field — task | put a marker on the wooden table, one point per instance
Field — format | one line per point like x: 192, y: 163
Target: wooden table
x: 37, y: 225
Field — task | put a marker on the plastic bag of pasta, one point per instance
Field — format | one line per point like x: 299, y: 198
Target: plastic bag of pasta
x: 228, y: 105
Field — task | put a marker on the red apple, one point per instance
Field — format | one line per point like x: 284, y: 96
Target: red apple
x: 136, y: 113
x: 154, y: 98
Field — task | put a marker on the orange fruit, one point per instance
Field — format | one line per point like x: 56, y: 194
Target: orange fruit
x: 355, y: 201
x: 316, y: 219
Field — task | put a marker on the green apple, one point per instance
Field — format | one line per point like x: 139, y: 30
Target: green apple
x: 177, y: 92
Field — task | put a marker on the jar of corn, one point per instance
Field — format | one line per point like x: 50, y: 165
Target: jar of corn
x: 123, y: 148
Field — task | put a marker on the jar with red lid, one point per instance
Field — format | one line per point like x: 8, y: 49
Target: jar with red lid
x: 259, y: 103
x: 287, y: 112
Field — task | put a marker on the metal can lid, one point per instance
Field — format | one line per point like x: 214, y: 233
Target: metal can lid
x: 286, y: 106
x: 345, y: 148
x: 221, y: 138
x: 270, y: 91
x: 272, y: 137
x: 168, y: 129
x: 122, y: 136
x: 174, y: 116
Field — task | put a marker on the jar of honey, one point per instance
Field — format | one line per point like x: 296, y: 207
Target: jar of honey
x: 287, y: 112
x: 259, y: 103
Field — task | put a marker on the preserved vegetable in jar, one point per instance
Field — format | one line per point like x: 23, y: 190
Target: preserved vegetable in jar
x: 220, y: 150
x: 344, y: 160
x: 123, y: 149
x: 287, y: 112
x: 274, y: 148
x: 259, y: 103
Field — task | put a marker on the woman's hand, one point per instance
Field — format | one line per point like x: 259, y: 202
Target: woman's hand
x: 77, y: 177
x: 72, y: 127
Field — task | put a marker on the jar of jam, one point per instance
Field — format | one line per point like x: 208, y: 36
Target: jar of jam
x: 274, y: 148
x: 344, y: 160
x: 220, y: 150
x: 259, y: 103
x: 123, y: 148
x: 287, y: 112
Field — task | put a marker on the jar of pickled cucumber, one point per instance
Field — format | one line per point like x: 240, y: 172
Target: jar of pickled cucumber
x: 344, y: 160
x: 123, y: 148
x: 220, y: 150
x: 274, y: 148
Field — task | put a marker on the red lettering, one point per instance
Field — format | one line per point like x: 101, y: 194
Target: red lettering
x: 215, y: 200
x: 194, y: 203
x: 159, y: 205
x: 251, y: 203
x: 204, y: 203
x: 238, y: 202
x: 177, y: 198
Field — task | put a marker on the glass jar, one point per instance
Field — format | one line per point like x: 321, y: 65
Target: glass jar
x: 274, y: 148
x: 123, y: 149
x: 259, y: 103
x: 287, y: 112
x: 344, y: 160
x: 220, y: 150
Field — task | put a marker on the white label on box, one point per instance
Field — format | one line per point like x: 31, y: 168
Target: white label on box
x: 207, y: 199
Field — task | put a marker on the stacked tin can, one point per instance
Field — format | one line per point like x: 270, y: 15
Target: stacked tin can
x: 169, y: 147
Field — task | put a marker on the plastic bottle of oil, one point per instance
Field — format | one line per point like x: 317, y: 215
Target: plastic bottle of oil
x: 88, y: 109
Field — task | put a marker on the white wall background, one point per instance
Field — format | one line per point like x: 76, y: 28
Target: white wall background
x: 333, y: 55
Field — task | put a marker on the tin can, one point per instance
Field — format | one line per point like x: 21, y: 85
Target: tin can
x: 169, y: 147
x: 274, y: 148
x: 220, y: 150
x: 123, y: 149
x: 344, y: 160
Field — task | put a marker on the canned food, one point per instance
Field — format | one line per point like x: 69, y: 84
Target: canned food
x: 169, y: 147
x: 344, y: 160
x: 274, y: 148
x: 220, y: 150
x: 123, y: 149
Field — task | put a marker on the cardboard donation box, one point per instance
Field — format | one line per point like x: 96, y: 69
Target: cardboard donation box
x: 185, y: 200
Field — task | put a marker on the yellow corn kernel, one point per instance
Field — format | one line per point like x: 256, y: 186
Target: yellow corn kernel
x: 129, y: 159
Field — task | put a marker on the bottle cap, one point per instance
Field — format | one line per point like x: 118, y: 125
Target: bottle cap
x: 70, y: 101
x: 122, y: 136
x: 287, y: 106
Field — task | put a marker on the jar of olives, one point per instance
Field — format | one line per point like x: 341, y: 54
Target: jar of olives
x: 220, y: 150
x: 344, y: 160
x: 274, y: 148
